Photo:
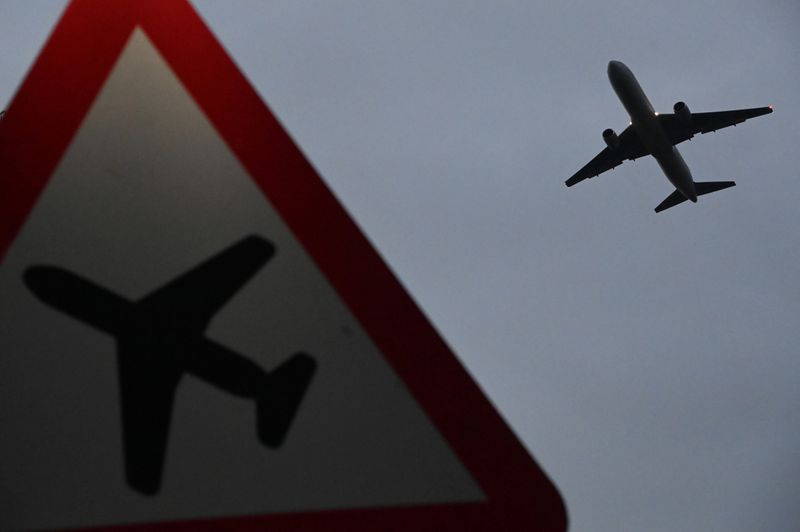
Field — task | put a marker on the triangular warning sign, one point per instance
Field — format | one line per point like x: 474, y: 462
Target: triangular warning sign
x: 193, y: 329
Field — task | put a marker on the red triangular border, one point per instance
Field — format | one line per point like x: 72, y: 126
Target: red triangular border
x: 39, y: 125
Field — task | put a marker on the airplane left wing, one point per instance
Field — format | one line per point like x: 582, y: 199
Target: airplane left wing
x: 630, y: 148
x: 678, y: 131
x: 194, y: 297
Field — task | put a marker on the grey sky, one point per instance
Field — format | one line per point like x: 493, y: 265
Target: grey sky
x: 649, y: 362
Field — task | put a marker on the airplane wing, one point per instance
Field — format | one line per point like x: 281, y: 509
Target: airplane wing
x: 194, y: 297
x: 630, y: 147
x: 146, y: 397
x: 679, y: 131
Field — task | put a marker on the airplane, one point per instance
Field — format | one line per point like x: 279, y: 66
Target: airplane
x: 651, y: 133
x: 160, y: 337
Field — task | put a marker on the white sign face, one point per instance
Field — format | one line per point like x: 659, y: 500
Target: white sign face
x: 146, y: 191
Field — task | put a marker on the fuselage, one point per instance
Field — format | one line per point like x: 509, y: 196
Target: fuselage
x: 158, y: 341
x: 646, y: 124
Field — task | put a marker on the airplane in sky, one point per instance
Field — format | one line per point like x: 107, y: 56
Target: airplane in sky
x: 161, y: 337
x: 651, y: 133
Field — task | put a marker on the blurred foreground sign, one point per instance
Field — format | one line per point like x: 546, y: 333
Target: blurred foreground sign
x: 193, y: 329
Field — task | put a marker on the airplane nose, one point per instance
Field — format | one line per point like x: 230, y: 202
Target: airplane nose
x: 617, y: 72
x: 39, y: 278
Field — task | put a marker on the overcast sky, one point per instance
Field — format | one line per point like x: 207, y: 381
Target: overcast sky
x: 648, y: 362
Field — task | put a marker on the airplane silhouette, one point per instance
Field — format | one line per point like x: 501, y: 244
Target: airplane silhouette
x: 658, y: 134
x: 161, y: 336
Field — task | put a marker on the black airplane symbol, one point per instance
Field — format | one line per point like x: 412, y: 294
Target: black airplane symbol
x: 161, y: 336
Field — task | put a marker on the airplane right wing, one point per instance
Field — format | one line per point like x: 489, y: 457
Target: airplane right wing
x: 146, y: 396
x: 194, y: 297
x: 679, y: 131
x: 630, y: 148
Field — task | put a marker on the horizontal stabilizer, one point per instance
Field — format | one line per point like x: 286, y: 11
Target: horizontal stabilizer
x: 280, y: 396
x: 673, y: 199
x: 712, y: 186
x: 706, y: 187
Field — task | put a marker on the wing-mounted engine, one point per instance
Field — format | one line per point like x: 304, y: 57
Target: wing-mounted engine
x: 683, y: 113
x: 611, y: 139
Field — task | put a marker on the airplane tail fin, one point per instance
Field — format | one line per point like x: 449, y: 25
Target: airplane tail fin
x: 706, y: 187
x: 280, y: 396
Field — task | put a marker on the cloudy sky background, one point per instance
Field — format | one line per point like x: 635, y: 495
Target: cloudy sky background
x: 649, y: 362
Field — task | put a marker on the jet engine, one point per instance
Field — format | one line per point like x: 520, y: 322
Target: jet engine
x: 611, y: 138
x: 683, y: 113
